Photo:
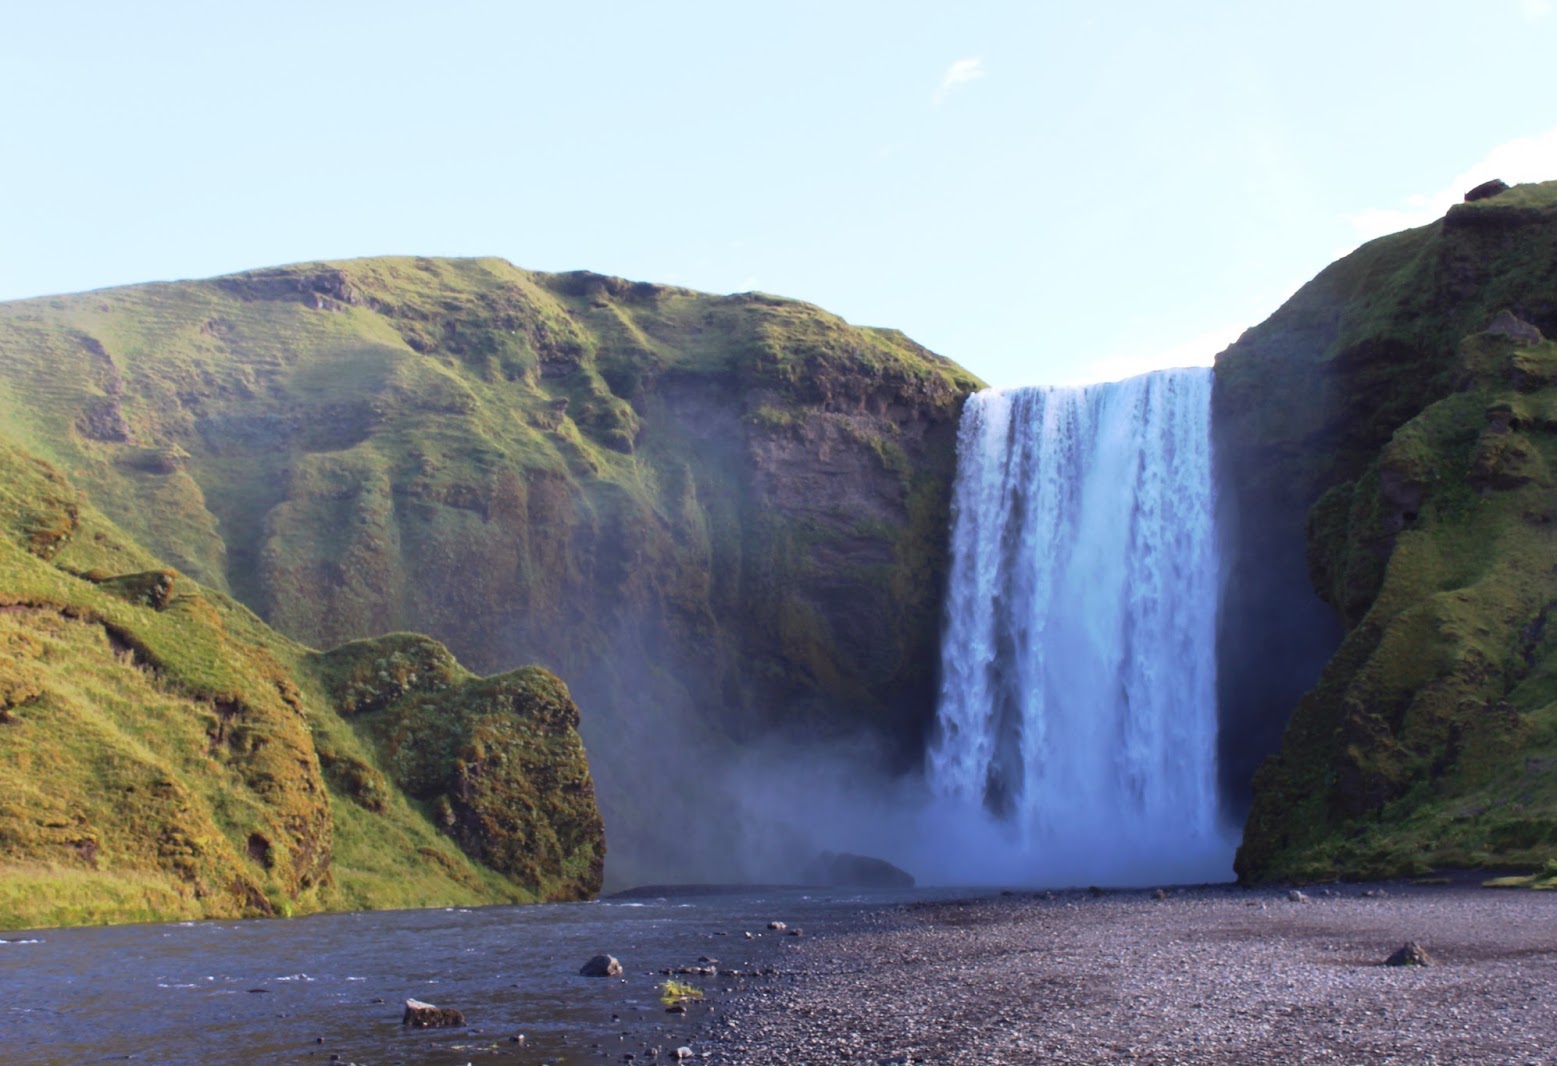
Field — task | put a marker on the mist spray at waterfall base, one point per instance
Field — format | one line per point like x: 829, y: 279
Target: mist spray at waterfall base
x: 1076, y: 730
x: 1075, y: 741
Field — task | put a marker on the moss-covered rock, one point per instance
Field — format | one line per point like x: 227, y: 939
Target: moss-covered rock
x: 496, y: 761
x: 1402, y: 401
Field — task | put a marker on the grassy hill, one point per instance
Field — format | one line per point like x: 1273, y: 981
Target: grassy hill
x: 720, y: 518
x: 164, y: 754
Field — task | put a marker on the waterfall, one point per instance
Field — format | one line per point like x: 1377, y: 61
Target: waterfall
x: 1077, y: 708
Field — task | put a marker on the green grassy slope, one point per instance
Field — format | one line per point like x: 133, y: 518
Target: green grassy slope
x: 164, y: 754
x: 697, y: 509
x: 1376, y: 412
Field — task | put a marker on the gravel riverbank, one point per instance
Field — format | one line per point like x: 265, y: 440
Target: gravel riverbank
x: 1203, y: 975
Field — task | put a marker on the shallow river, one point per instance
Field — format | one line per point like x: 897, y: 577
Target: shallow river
x: 308, y: 989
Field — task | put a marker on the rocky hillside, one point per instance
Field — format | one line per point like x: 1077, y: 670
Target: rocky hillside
x: 164, y: 754
x: 1384, y: 445
x: 719, y: 518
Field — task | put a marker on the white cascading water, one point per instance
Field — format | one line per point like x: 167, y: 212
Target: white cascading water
x: 1077, y: 715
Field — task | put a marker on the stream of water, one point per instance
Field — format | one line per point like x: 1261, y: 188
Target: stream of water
x: 305, y: 989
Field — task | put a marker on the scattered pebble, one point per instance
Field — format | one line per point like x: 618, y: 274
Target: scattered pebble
x: 1215, y: 978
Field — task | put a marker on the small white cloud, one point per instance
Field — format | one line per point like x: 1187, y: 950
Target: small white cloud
x: 1535, y: 10
x: 958, y: 74
x: 1531, y: 158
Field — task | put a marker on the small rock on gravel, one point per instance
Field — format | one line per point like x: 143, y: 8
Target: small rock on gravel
x: 1410, y: 954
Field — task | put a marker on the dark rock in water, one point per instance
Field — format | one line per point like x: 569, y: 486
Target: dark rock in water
x: 855, y: 871
x: 419, y: 1015
x: 1486, y: 190
x: 601, y: 966
x: 1410, y: 954
x: 1297, y: 896
x: 1160, y: 894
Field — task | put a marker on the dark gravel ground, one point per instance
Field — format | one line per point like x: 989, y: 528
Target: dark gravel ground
x: 1219, y: 975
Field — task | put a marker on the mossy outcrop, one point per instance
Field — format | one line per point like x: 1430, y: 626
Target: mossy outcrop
x: 1384, y: 440
x: 164, y: 754
x: 716, y: 517
x: 496, y: 760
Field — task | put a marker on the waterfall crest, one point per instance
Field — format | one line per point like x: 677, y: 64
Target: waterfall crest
x: 1077, y: 708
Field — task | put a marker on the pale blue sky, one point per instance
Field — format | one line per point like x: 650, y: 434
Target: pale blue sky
x: 1047, y: 192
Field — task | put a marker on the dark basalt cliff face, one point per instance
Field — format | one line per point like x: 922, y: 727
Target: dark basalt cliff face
x: 1382, y: 446
x: 719, y: 518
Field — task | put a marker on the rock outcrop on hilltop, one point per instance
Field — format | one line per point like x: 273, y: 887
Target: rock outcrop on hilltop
x: 1384, y: 443
x: 718, y: 518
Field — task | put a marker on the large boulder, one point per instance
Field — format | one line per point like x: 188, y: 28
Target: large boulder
x: 855, y: 871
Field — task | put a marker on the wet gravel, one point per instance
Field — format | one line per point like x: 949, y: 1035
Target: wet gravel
x: 1218, y: 975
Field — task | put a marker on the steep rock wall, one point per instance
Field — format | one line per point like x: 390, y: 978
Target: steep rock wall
x: 1316, y: 412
